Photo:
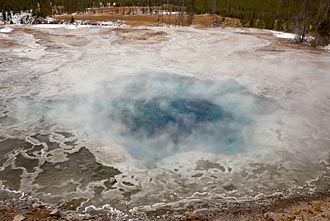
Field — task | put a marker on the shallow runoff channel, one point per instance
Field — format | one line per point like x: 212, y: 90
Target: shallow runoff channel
x: 137, y: 117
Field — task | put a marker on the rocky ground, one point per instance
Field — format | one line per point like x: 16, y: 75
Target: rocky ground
x: 315, y: 207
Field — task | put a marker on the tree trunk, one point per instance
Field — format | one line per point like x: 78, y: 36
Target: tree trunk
x: 302, y: 21
x: 214, y: 12
x: 191, y: 11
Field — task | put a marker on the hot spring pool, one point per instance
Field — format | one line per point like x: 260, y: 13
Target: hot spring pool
x: 159, y: 115
x: 198, y: 117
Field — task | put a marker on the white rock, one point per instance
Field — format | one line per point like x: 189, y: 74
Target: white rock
x: 6, y: 30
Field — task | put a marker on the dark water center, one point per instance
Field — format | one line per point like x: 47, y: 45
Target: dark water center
x: 178, y: 117
x: 161, y: 127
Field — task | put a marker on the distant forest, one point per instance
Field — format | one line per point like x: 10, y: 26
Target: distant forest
x: 300, y: 16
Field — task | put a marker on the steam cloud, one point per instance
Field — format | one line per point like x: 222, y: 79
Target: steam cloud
x: 157, y: 115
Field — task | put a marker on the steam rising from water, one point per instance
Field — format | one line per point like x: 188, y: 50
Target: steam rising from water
x: 123, y: 100
x: 158, y: 115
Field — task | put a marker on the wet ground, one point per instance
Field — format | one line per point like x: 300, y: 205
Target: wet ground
x: 180, y: 120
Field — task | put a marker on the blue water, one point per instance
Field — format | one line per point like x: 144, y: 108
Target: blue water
x: 175, y: 125
x: 159, y: 115
x: 162, y: 115
x: 179, y: 116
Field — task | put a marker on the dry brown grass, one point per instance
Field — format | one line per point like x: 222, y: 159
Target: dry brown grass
x: 114, y: 14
